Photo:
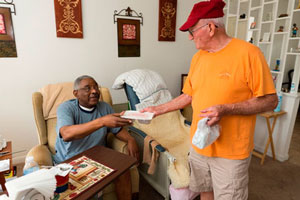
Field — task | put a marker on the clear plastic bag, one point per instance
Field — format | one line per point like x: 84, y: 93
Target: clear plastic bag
x: 205, y: 135
x: 30, y: 165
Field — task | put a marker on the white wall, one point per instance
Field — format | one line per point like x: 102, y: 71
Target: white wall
x: 43, y: 58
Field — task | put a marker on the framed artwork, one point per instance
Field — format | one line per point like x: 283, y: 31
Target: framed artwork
x: 268, y: 16
x: 7, y: 40
x: 183, y: 79
x: 253, y: 25
x: 128, y: 37
x: 266, y: 37
x: 167, y: 20
x: 6, y: 27
x: 68, y: 17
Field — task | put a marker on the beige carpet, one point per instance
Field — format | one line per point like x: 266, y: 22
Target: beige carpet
x: 277, y: 180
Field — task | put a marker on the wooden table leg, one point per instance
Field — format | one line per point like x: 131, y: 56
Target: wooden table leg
x: 2, y: 182
x: 270, y: 140
x: 271, y: 137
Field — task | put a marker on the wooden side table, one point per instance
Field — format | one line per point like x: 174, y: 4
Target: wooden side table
x: 268, y: 116
x: 9, y: 156
x: 113, y: 159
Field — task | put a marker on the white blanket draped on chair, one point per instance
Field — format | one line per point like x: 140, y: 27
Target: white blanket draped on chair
x: 148, y: 86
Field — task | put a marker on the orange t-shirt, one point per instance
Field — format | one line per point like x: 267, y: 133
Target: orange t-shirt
x: 234, y: 74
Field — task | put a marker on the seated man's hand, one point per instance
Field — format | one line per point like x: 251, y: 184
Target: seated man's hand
x: 114, y: 120
x: 133, y: 149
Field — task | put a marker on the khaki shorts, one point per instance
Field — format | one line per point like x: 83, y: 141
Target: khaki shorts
x: 228, y: 179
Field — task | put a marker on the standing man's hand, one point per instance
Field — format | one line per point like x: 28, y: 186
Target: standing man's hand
x: 115, y: 120
x: 175, y: 104
x: 214, y: 113
x: 153, y: 109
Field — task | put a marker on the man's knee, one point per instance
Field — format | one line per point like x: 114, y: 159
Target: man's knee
x: 207, y: 196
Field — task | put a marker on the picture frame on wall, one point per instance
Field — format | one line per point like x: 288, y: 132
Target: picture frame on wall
x: 6, y: 26
x: 7, y: 38
x: 167, y: 20
x: 128, y: 37
x: 266, y: 37
x: 128, y: 31
x: 253, y: 25
x: 68, y: 18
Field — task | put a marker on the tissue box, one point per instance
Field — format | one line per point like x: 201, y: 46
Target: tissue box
x: 62, y: 183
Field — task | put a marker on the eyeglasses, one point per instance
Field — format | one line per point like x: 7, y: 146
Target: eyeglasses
x: 89, y: 88
x: 192, y: 31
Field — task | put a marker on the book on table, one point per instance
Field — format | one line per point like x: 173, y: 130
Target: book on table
x: 85, y: 173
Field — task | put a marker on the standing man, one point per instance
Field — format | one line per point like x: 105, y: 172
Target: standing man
x: 229, y: 82
x: 84, y: 122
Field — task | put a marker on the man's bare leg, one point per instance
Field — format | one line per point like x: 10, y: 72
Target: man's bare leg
x: 123, y: 186
x: 207, y: 196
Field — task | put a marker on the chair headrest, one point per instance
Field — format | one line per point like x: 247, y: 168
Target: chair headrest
x: 131, y: 96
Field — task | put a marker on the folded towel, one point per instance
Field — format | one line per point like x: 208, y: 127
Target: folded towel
x: 150, y: 157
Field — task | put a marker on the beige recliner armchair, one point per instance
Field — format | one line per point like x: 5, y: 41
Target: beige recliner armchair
x: 47, y: 137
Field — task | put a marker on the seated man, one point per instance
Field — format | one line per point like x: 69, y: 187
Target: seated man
x: 84, y: 122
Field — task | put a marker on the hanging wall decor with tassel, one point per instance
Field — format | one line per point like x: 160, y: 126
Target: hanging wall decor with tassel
x: 167, y: 20
x: 68, y: 16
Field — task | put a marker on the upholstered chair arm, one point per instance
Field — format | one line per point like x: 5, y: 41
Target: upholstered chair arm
x: 37, y: 103
x: 116, y: 144
x: 41, y: 155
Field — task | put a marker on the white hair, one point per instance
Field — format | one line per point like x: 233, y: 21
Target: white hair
x: 217, y: 21
x: 79, y: 79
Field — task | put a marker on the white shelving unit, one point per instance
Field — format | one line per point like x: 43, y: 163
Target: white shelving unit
x: 272, y: 33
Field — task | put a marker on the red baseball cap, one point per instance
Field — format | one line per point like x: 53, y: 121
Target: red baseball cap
x: 204, y: 10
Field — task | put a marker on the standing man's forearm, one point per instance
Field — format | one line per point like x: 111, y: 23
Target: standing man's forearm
x: 175, y: 104
x: 249, y: 107
x: 253, y: 106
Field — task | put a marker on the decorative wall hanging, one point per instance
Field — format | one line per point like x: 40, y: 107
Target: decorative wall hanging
x: 8, y: 4
x: 68, y: 17
x: 7, y: 39
x: 167, y: 20
x: 128, y: 32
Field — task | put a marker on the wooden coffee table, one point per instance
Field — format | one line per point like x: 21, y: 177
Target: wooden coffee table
x: 113, y: 159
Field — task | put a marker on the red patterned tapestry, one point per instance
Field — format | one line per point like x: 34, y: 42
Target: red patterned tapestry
x: 68, y: 18
x: 167, y: 20
x: 128, y: 37
x: 7, y: 38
